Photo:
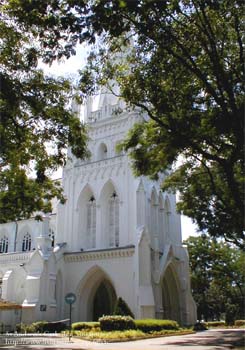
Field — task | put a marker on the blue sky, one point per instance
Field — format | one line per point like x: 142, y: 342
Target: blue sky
x: 69, y: 68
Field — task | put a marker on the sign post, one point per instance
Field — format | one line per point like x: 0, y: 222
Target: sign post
x: 70, y: 299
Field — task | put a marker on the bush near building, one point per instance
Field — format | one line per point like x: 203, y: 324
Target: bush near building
x: 85, y: 326
x: 154, y: 325
x: 116, y: 323
x: 240, y: 323
x: 41, y: 327
x: 213, y: 324
x: 122, y: 308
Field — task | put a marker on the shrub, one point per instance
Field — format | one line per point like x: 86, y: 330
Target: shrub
x: 77, y: 326
x: 25, y: 328
x: 56, y: 326
x: 215, y: 324
x: 41, y: 327
x: 153, y: 325
x: 199, y: 326
x: 122, y: 308
x: 230, y: 313
x: 116, y: 323
x: 240, y: 323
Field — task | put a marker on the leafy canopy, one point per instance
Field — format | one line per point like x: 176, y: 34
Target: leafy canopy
x: 183, y: 65
x: 217, y: 277
x: 37, y: 123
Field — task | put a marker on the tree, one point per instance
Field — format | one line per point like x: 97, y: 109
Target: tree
x: 217, y: 278
x: 183, y: 65
x: 37, y: 123
x: 185, y: 71
x: 122, y: 308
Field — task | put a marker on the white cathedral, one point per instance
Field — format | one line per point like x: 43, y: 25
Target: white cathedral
x: 117, y: 235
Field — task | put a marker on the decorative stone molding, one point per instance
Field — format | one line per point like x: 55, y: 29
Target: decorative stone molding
x: 9, y: 258
x: 109, y: 124
x: 101, y: 254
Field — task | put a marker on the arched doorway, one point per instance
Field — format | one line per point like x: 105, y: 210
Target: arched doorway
x: 96, y: 295
x: 171, y: 296
x: 104, y: 300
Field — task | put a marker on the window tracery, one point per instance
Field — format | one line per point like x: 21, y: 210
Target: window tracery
x: 91, y: 223
x: 4, y: 244
x: 114, y: 220
x: 52, y: 237
x: 26, y: 243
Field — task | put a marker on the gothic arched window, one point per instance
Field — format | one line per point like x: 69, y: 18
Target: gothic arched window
x: 161, y: 222
x: 26, y: 243
x: 114, y: 220
x: 4, y: 245
x: 167, y: 218
x: 91, y: 223
x: 153, y: 214
x: 102, y: 152
x: 52, y: 237
x: 1, y: 285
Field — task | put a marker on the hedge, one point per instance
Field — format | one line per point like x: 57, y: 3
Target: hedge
x: 215, y: 324
x: 152, y: 325
x: 77, y: 326
x: 41, y: 327
x: 200, y: 326
x: 116, y: 323
x: 240, y: 323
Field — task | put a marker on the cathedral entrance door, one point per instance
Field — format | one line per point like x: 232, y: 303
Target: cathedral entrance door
x: 104, y: 300
x: 171, y: 296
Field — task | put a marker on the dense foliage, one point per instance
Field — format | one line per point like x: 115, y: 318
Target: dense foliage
x: 184, y: 67
x: 217, y: 278
x: 122, y: 308
x: 41, y: 327
x: 37, y: 123
x: 77, y: 326
x: 116, y: 323
x: 213, y: 324
x: 154, y: 325
x: 240, y: 323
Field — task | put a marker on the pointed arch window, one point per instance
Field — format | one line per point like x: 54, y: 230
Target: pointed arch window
x: 167, y: 218
x: 102, y: 152
x: 161, y: 222
x: 114, y: 220
x: 153, y: 213
x: 91, y: 223
x: 26, y: 243
x: 4, y: 245
x: 52, y: 237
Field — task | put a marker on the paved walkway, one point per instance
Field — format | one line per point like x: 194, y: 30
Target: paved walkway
x: 221, y: 339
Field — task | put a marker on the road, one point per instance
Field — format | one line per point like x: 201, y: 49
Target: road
x: 221, y: 339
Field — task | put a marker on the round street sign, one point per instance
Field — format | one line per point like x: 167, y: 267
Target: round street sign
x: 70, y: 298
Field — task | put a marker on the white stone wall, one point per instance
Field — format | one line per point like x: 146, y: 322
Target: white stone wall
x: 148, y: 268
